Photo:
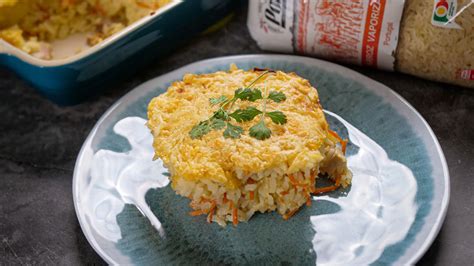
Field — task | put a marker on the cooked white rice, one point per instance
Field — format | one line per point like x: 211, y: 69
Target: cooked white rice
x: 269, y: 190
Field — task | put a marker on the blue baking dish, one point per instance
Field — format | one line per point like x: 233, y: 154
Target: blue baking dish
x: 73, y: 79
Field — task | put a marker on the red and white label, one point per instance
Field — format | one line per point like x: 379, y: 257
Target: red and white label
x: 467, y: 74
x: 363, y: 32
x: 371, y: 39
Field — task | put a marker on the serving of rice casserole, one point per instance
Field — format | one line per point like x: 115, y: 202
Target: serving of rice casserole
x: 229, y: 179
x: 31, y: 25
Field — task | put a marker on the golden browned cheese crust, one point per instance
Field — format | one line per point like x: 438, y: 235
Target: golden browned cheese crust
x: 173, y: 114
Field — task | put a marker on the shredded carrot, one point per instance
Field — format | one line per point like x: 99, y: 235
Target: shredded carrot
x: 193, y: 204
x: 198, y: 212
x: 338, y: 181
x: 288, y: 215
x: 211, y: 211
x: 284, y: 193
x: 325, y: 189
x: 235, y: 220
x: 225, y: 200
x: 293, y: 180
x: 308, y: 201
x: 334, y: 134
x: 344, y: 146
x: 312, y: 179
x: 252, y: 195
x: 342, y: 141
x: 308, y: 197
x: 251, y: 181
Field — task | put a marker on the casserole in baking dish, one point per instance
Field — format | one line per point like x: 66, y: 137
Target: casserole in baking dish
x: 69, y: 63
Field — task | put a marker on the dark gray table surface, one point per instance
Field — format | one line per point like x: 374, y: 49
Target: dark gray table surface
x: 39, y: 142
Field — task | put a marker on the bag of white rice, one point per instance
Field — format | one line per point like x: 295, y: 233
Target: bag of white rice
x: 433, y: 39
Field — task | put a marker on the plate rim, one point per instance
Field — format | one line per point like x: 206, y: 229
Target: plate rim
x: 444, y: 166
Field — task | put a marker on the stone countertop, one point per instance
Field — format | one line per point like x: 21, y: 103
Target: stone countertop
x: 39, y: 142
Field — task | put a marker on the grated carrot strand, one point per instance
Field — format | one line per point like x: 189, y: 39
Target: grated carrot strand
x: 344, y: 146
x: 342, y: 141
x: 225, y: 200
x: 338, y: 181
x: 288, y: 215
x: 235, y: 220
x: 308, y: 197
x: 293, y: 180
x: 211, y: 212
x: 308, y: 201
x: 198, y: 212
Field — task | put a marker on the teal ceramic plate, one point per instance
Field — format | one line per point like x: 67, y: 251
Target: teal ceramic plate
x: 390, y: 214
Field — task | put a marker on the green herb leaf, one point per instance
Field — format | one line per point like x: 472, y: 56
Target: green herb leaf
x: 277, y: 96
x: 200, y: 130
x: 260, y: 131
x: 221, y: 114
x: 248, y: 94
x: 277, y: 117
x: 233, y: 131
x: 246, y: 114
x: 217, y: 123
x: 221, y: 118
x: 218, y: 100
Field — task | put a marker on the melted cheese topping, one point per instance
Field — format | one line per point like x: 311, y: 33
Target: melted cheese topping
x: 296, y: 144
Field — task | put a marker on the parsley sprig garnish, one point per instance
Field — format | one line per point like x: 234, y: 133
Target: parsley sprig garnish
x: 222, y: 117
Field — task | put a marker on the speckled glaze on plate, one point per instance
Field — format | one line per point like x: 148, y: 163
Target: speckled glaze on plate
x: 122, y: 227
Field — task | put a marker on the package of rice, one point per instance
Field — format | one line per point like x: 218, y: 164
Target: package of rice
x: 433, y: 39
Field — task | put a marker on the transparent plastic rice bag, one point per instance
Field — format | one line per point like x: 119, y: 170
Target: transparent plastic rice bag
x: 433, y: 39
